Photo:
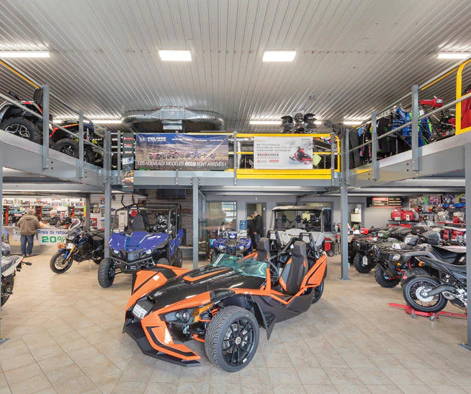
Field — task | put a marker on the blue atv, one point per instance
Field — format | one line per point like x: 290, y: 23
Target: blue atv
x: 142, y: 245
x: 229, y: 242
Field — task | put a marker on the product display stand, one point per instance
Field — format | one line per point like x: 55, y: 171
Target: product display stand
x: 431, y: 315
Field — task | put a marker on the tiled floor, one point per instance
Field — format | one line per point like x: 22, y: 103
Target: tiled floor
x: 65, y: 336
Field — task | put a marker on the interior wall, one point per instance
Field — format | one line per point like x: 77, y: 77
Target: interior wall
x: 377, y: 217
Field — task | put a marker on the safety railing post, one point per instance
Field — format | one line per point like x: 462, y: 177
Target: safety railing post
x: 415, y: 128
x: 344, y: 205
x: 81, y: 147
x: 236, y: 155
x: 118, y: 150
x: 195, y: 182
x: 45, y: 130
x: 374, y: 147
x: 107, y: 182
x: 333, y: 148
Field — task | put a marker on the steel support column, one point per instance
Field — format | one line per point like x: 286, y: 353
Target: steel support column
x: 81, y: 147
x: 374, y: 147
x: 415, y: 128
x: 87, y: 212
x: 467, y: 164
x: 45, y: 130
x: 107, y: 182
x: 195, y: 223
x: 344, y: 205
x: 2, y: 339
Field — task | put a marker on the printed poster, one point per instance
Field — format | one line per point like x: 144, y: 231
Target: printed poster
x: 283, y: 153
x: 168, y: 151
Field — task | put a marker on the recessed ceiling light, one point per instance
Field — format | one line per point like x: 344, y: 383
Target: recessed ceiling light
x: 23, y: 54
x: 453, y: 55
x: 175, y: 56
x: 279, y: 56
x: 265, y: 122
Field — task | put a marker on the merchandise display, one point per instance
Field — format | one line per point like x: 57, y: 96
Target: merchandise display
x: 221, y: 304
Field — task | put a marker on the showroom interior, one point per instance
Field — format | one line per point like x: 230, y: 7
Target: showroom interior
x: 233, y: 196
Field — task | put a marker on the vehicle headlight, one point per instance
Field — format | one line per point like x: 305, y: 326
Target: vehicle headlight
x: 241, y: 247
x: 142, y: 308
x: 221, y: 247
x: 115, y: 251
x: 184, y: 316
x: 396, y: 257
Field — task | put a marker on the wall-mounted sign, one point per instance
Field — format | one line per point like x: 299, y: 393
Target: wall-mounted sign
x: 385, y: 202
x: 181, y: 152
x: 283, y: 153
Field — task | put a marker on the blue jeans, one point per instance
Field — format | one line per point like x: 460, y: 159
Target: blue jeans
x: 27, y: 244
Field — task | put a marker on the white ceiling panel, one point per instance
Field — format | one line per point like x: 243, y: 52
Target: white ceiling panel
x: 353, y: 56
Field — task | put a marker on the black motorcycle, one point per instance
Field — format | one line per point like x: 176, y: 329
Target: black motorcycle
x: 438, y: 282
x: 80, y: 246
x: 395, y: 260
x: 10, y: 265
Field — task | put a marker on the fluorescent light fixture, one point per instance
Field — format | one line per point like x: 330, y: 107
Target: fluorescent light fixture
x: 175, y: 56
x: 318, y: 122
x: 106, y: 121
x: 352, y: 122
x: 23, y: 54
x: 265, y: 122
x: 453, y: 55
x: 279, y: 56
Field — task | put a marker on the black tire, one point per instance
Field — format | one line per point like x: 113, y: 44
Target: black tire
x: 384, y: 280
x: 178, y: 258
x: 70, y: 147
x: 23, y: 128
x: 219, y: 338
x: 412, y: 294
x: 163, y: 260
x: 106, y: 273
x: 6, y: 289
x: 359, y: 263
x: 58, y: 264
x: 317, y: 292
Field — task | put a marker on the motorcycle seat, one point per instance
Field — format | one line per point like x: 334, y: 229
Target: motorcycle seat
x: 446, y: 255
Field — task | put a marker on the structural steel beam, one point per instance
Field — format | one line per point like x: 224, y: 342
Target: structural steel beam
x: 467, y: 164
x: 45, y: 130
x: 415, y: 128
x: 195, y: 223
x: 344, y: 206
x: 2, y: 340
x: 107, y: 182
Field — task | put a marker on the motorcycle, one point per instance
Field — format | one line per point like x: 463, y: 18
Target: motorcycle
x: 394, y: 262
x: 438, y: 282
x: 80, y: 245
x: 230, y: 242
x: 10, y: 265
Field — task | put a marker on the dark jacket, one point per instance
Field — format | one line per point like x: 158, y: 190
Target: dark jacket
x: 258, y: 224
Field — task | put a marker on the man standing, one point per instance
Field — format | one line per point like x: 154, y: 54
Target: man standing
x: 257, y: 225
x: 28, y: 225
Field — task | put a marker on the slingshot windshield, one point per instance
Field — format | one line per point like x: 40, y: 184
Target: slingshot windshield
x: 249, y: 267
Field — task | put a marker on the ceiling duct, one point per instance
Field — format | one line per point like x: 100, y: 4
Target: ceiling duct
x: 173, y: 119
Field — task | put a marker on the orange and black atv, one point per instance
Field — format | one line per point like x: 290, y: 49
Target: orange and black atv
x: 223, y: 305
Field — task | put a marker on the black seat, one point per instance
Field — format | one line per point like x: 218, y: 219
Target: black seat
x: 295, y: 269
x: 263, y: 249
x: 137, y: 223
x: 446, y: 255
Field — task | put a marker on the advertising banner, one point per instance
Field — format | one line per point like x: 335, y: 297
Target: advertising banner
x: 283, y: 153
x: 181, y: 152
x: 45, y: 236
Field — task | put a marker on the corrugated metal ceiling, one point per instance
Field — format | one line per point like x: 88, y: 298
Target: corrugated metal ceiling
x: 352, y: 55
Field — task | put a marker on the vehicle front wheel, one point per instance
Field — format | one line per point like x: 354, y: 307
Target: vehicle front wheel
x: 384, y: 279
x: 231, y: 339
x: 415, y: 290
x: 362, y: 263
x: 6, y: 289
x: 106, y: 273
x: 317, y: 292
x: 59, y: 263
x: 22, y: 127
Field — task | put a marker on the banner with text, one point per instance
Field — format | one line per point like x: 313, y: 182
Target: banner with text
x: 283, y: 153
x: 181, y: 152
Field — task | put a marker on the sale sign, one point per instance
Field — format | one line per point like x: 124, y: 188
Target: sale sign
x: 285, y: 153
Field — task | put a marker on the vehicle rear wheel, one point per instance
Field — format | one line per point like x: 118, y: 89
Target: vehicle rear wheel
x: 231, y: 339
x: 70, y: 147
x: 59, y: 263
x: 106, y: 273
x: 23, y: 128
x: 317, y: 292
x: 384, y: 279
x: 414, y: 290
x: 6, y: 289
x: 362, y: 263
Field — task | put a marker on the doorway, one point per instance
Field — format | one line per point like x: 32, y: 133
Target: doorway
x: 260, y: 208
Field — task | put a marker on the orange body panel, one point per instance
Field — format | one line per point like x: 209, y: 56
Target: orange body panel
x: 189, y: 278
x: 153, y: 281
x: 177, y: 270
